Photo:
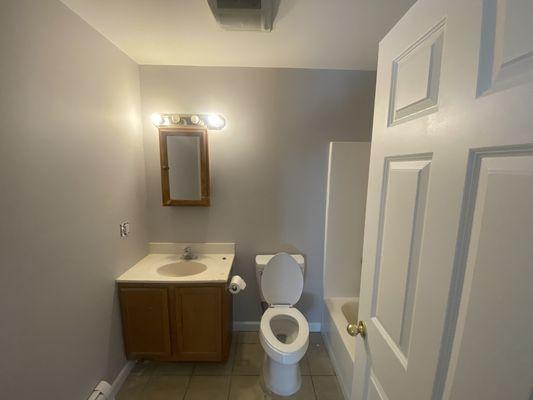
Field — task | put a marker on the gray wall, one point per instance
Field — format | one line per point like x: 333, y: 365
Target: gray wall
x: 268, y: 168
x: 71, y: 168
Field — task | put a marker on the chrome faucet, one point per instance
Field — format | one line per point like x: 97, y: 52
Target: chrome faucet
x: 187, y: 254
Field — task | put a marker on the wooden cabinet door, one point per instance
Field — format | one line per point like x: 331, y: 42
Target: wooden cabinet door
x: 198, y: 313
x: 146, y: 324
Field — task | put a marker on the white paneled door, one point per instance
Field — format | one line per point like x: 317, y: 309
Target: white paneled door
x: 447, y: 284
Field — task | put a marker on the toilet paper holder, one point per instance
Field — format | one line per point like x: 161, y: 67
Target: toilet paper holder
x: 236, y: 284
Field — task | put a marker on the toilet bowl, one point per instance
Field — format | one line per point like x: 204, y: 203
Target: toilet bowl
x: 284, y: 331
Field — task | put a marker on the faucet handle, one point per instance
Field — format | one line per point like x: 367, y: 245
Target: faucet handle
x: 187, y: 253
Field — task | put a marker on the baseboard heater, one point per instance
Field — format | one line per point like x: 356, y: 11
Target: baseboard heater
x: 102, y: 391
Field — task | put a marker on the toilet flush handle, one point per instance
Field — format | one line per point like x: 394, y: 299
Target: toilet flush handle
x: 357, y: 329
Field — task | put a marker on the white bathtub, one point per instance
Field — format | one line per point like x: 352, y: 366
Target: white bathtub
x: 338, y: 313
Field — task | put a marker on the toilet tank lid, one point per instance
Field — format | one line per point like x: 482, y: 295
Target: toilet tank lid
x: 262, y: 259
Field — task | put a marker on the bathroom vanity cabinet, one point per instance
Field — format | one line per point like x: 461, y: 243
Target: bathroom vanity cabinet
x: 176, y: 322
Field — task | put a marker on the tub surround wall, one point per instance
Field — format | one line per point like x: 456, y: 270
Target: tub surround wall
x: 72, y: 168
x: 343, y: 247
x: 345, y: 218
x: 268, y: 167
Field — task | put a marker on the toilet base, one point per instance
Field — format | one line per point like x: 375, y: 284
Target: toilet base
x: 281, y: 379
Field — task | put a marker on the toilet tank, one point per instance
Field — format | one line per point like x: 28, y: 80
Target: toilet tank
x: 261, y: 260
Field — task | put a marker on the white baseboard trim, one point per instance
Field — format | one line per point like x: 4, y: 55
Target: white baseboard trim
x: 121, y: 377
x: 253, y: 326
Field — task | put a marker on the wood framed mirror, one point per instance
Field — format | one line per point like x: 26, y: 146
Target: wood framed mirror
x: 184, y: 166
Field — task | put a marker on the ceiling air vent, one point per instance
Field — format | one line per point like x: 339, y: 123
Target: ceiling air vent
x: 244, y: 15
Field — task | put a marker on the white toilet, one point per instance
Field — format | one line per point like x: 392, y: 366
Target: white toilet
x: 284, y: 331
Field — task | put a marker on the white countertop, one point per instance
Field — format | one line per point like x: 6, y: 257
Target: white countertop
x: 146, y: 270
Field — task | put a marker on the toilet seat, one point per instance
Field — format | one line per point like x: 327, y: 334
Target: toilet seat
x: 284, y: 353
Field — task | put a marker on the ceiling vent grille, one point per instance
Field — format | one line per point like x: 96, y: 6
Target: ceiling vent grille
x: 244, y: 15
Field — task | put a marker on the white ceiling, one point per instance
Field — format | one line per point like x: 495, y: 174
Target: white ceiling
x: 331, y: 34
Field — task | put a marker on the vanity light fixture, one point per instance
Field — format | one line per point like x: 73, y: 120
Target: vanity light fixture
x: 212, y: 121
x: 157, y: 119
x: 216, y: 121
x: 195, y: 119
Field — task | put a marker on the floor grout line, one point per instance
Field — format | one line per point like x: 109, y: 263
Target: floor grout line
x: 228, y: 374
x: 187, y: 387
x: 314, y: 388
x: 229, y: 389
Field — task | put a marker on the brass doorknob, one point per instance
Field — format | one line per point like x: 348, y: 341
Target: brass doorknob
x: 357, y: 329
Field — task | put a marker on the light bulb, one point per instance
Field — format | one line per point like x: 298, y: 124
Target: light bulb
x: 156, y: 118
x: 216, y: 121
x: 195, y: 119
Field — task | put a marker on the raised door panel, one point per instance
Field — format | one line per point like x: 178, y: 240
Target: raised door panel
x: 493, y: 354
x: 506, y: 57
x: 399, y: 243
x: 375, y: 391
x: 146, y: 323
x: 199, y: 323
x: 403, y: 213
x: 416, y: 78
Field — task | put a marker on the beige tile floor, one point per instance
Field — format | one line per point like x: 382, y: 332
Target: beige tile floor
x: 238, y: 379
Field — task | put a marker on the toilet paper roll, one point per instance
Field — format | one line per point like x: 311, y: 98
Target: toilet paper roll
x: 236, y: 284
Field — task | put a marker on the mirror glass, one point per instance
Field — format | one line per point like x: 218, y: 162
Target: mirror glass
x: 184, y: 167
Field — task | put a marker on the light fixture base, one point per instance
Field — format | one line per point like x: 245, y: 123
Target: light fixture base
x: 212, y: 121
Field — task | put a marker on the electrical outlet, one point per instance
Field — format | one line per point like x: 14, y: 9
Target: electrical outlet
x: 124, y: 229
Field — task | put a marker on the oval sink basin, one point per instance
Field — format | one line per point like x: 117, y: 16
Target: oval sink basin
x: 185, y: 268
